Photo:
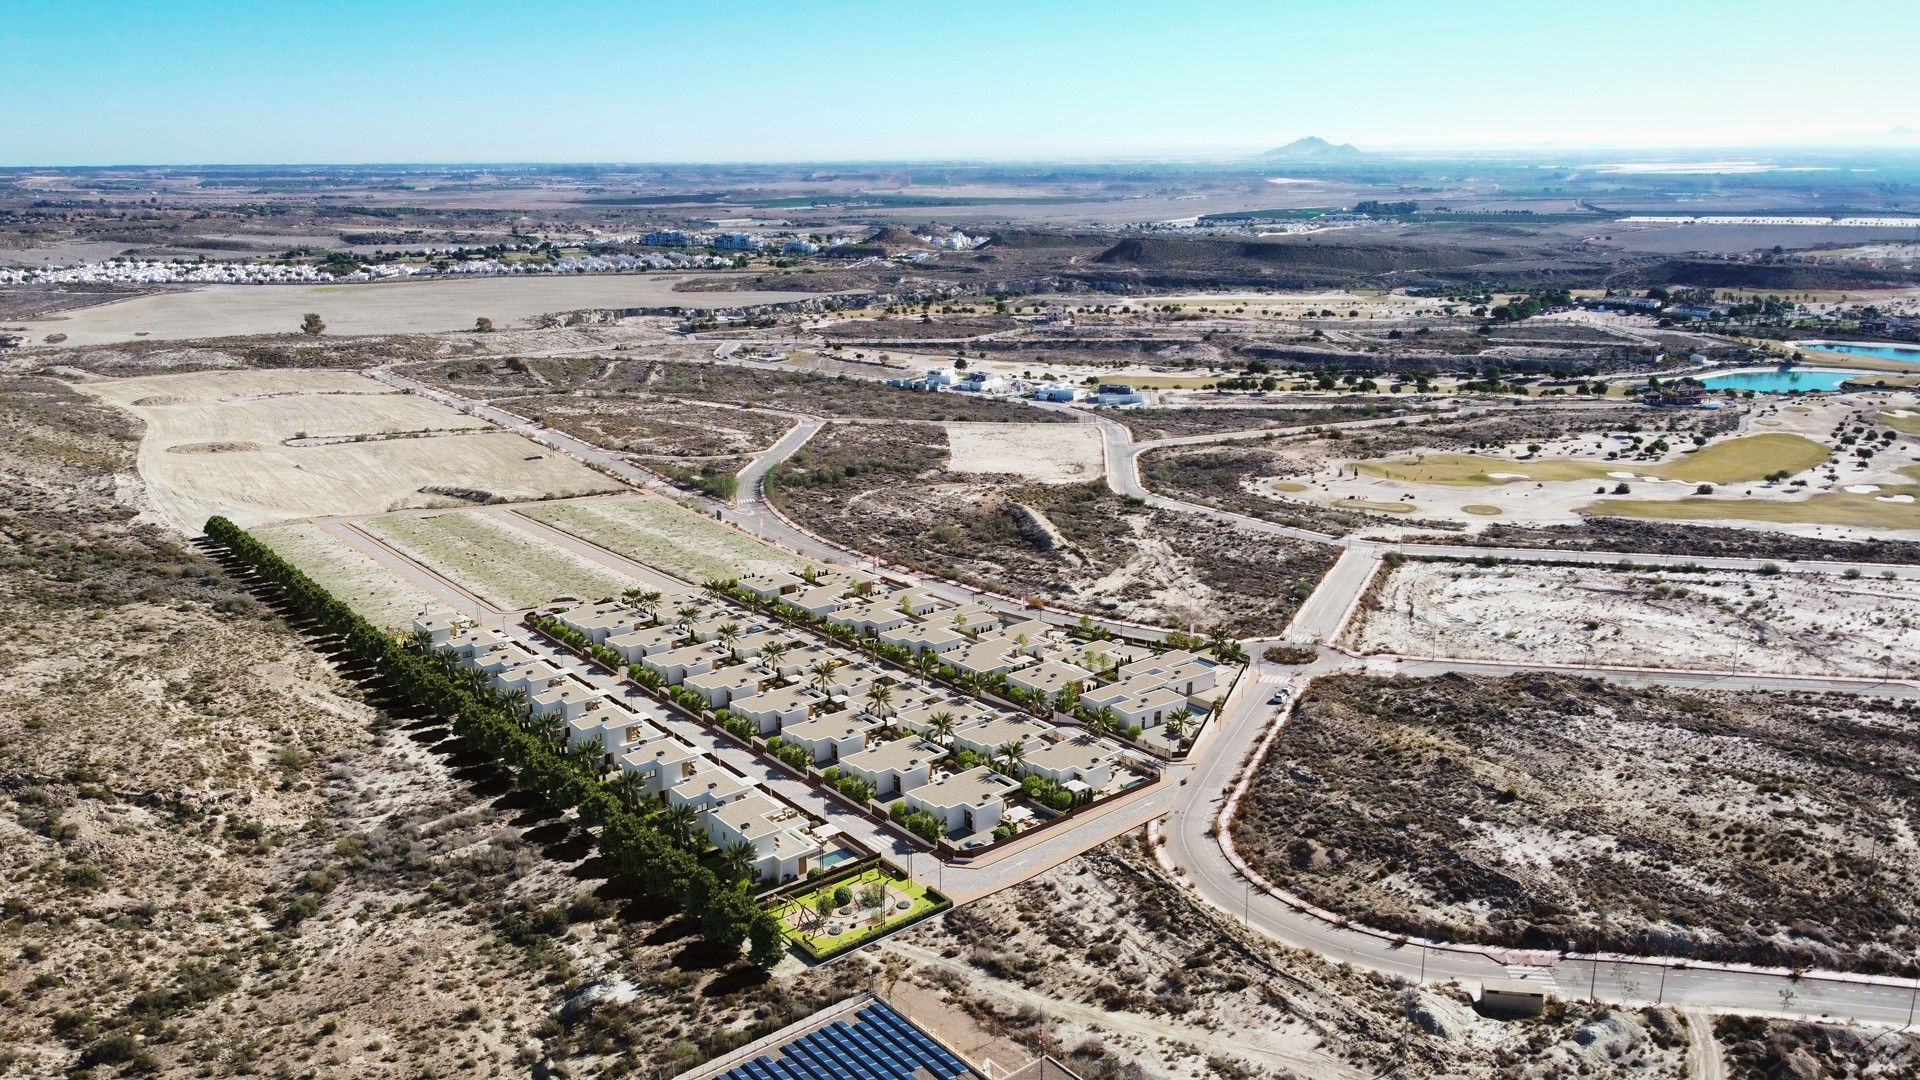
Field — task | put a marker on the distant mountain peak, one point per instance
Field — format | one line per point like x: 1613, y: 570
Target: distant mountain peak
x: 1313, y: 146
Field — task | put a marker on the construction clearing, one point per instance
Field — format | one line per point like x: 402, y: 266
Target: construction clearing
x: 1676, y: 618
x: 262, y: 446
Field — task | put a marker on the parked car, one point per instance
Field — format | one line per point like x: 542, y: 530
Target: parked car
x: 1280, y: 696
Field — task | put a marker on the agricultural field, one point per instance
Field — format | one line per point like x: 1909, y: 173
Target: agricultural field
x: 380, y: 595
x: 509, y: 568
x: 1797, y: 623
x: 260, y: 446
x: 1177, y: 422
x: 1539, y: 810
x: 666, y: 536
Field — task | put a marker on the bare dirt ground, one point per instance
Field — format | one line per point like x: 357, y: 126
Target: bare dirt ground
x: 1547, y: 811
x: 1109, y: 966
x: 1598, y: 615
x: 884, y: 491
x: 376, y: 591
x: 409, y: 307
x: 219, y: 443
x: 1056, y: 454
x: 219, y: 856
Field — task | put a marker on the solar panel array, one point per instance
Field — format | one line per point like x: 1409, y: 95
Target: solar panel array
x: 882, y: 1045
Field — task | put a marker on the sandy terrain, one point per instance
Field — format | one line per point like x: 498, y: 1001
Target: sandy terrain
x: 1592, y: 615
x: 1051, y: 454
x: 216, y: 444
x: 408, y: 307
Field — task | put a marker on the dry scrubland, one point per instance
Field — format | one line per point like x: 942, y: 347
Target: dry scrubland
x: 504, y: 565
x: 653, y: 428
x: 608, y: 379
x: 884, y: 491
x: 1802, y: 624
x: 216, y: 443
x: 218, y: 857
x: 1108, y: 965
x: 1547, y: 811
x: 666, y: 536
x: 1169, y: 423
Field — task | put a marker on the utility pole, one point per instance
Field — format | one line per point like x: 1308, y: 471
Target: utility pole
x: 1661, y: 997
x: 1423, y: 963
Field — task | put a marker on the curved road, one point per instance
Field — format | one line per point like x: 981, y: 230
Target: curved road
x: 1186, y: 808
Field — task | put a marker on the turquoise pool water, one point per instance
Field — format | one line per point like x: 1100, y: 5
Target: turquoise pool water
x: 1906, y: 354
x: 833, y: 858
x: 1779, y: 382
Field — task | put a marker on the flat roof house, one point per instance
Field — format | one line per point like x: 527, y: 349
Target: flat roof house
x: 470, y: 641
x: 769, y: 585
x: 674, y: 665
x: 614, y: 731
x: 1139, y: 702
x: 919, y: 719
x: 925, y: 637
x: 569, y: 700
x: 1049, y: 677
x: 820, y: 600
x: 966, y: 802
x: 437, y: 628
x: 722, y: 687
x: 601, y: 621
x: 989, y: 735
x: 708, y: 786
x: 988, y: 656
x: 1081, y: 757
x: 1184, y: 671
x: 662, y: 763
x: 894, y: 766
x: 827, y: 739
x: 773, y: 710
x: 645, y: 641
x: 778, y: 834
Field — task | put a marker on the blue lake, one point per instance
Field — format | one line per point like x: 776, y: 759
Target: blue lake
x: 1779, y: 382
x: 1906, y: 354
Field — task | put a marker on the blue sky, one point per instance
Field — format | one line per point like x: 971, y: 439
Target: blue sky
x: 170, y: 81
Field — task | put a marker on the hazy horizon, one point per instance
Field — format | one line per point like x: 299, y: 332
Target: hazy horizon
x: 206, y: 82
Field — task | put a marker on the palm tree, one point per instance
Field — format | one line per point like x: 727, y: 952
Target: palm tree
x: 589, y: 756
x: 645, y: 601
x: 1177, y: 723
x: 631, y: 787
x: 729, y: 635
x: 879, y: 696
x: 970, y: 682
x: 772, y: 653
x: 679, y: 820
x: 1104, y: 721
x: 822, y: 672
x: 419, y: 641
x: 1013, y: 754
x: 737, y: 860
x: 940, y: 726
x: 924, y: 662
x: 686, y: 613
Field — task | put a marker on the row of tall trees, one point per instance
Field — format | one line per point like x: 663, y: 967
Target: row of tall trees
x: 635, y: 832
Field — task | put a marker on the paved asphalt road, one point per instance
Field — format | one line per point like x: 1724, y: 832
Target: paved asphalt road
x: 1189, y: 799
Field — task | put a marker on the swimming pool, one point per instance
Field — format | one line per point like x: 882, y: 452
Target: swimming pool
x: 1906, y: 354
x: 1779, y: 382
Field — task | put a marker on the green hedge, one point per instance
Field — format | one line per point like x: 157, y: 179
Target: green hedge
x: 637, y: 843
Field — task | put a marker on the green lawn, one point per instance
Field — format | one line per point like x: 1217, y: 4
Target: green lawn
x: 666, y: 536
x: 793, y: 913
